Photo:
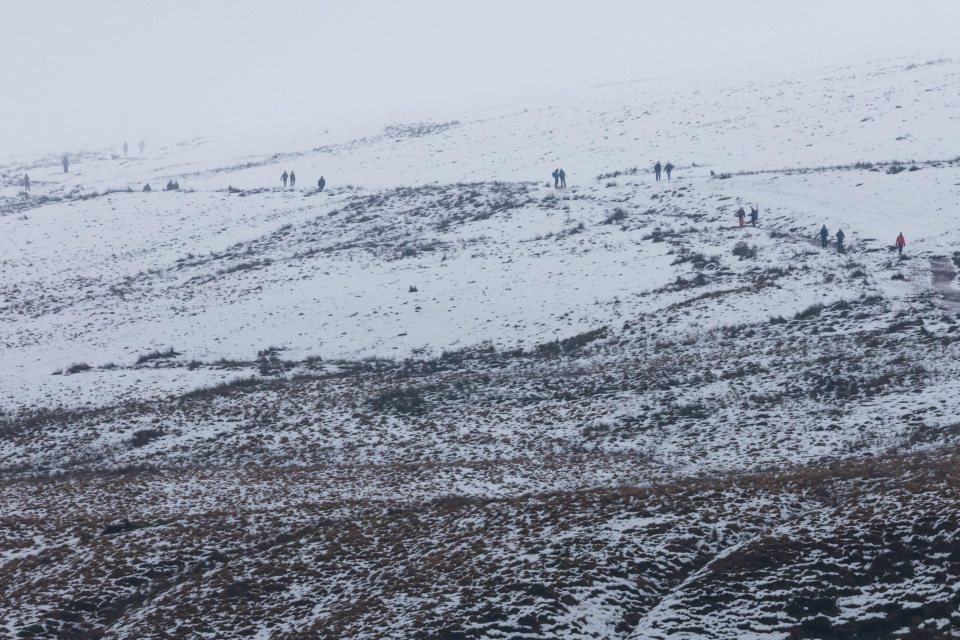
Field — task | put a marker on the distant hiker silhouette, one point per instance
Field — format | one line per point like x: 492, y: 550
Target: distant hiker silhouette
x: 563, y: 179
x: 741, y: 215
x: 146, y: 188
x: 293, y: 179
x: 126, y: 148
x: 283, y: 178
x: 840, y: 237
x: 143, y: 145
x: 668, y: 168
x: 556, y: 178
x: 900, y: 242
x: 321, y: 183
x: 823, y: 236
x: 657, y: 169
x: 754, y: 215
x: 66, y: 164
x: 26, y: 186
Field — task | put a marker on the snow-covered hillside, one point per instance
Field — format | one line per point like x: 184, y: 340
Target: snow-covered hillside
x: 443, y: 398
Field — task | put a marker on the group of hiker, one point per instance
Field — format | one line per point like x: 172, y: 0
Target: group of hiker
x: 741, y: 215
x: 559, y: 178
x: 899, y: 243
x: 559, y: 181
x: 126, y: 147
x: 658, y: 168
x: 754, y: 215
x: 292, y: 179
x: 824, y: 234
x: 286, y: 178
x: 65, y: 161
x: 172, y: 185
x: 840, y: 236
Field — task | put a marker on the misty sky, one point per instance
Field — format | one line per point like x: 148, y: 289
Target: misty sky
x: 94, y: 72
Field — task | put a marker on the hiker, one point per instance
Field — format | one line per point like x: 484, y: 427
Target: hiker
x: 823, y: 236
x: 66, y: 164
x: 293, y: 179
x: 754, y: 215
x: 656, y: 169
x: 840, y: 237
x: 126, y: 148
x: 668, y: 168
x: 143, y: 145
x: 556, y: 178
x: 741, y: 215
x: 26, y: 186
x: 283, y: 178
x: 563, y: 179
x: 321, y: 183
x: 170, y: 185
x: 901, y: 242
x: 146, y: 188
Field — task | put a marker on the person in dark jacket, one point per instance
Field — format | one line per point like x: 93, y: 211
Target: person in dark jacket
x: 556, y: 178
x: 657, y: 168
x: 283, y: 178
x: 26, y: 186
x: 740, y: 215
x: 321, y: 183
x: 668, y: 168
x: 901, y: 242
x: 146, y: 188
x: 293, y: 179
x: 563, y: 179
x: 754, y: 215
x: 823, y: 236
x: 66, y: 164
x: 840, y: 237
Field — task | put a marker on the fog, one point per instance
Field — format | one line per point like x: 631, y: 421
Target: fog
x: 99, y: 72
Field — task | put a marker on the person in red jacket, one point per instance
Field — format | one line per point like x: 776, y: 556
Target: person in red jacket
x: 900, y: 243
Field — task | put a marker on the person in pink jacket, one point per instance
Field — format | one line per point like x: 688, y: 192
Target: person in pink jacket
x: 900, y: 243
x: 740, y: 215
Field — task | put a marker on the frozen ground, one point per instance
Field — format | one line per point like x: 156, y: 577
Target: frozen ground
x: 444, y: 398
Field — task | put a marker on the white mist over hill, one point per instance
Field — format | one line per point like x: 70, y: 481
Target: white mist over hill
x: 96, y: 73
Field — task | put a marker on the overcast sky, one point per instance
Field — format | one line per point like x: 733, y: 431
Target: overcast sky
x: 92, y: 72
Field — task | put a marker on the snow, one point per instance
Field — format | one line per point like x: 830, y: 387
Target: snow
x: 465, y: 401
x: 64, y: 258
